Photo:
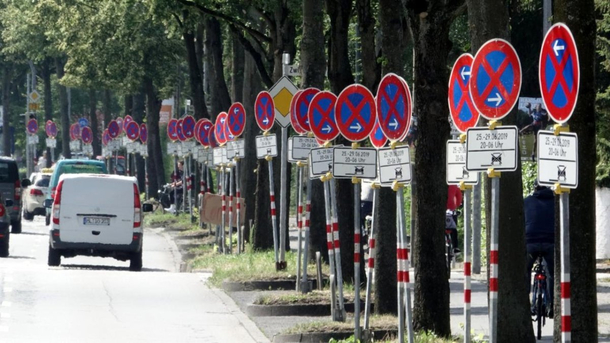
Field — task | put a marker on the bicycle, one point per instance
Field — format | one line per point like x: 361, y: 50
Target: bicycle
x: 540, y: 295
x: 450, y: 225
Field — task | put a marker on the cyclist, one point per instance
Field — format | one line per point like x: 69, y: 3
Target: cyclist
x: 539, y: 211
x: 177, y: 185
x: 454, y: 200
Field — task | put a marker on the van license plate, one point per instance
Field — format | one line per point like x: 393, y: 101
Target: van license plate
x: 96, y: 221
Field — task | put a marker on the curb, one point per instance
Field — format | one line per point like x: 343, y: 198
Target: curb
x: 266, y: 285
x: 309, y: 310
x: 315, y: 337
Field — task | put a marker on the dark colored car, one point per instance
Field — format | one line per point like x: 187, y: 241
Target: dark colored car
x: 10, y: 187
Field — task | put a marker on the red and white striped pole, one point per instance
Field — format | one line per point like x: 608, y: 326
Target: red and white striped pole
x: 304, y: 283
x: 336, y: 312
x: 493, y: 255
x: 272, y: 208
x: 299, y: 218
x: 222, y: 189
x: 337, y: 244
x: 467, y: 266
x: 371, y: 260
x: 566, y: 309
x: 240, y: 238
x: 230, y: 243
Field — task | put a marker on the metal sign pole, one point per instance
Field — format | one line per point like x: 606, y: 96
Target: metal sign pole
x: 337, y: 245
x: 304, y: 282
x: 299, y: 216
x: 175, y: 179
x: 493, y: 256
x: 230, y: 244
x: 189, y: 158
x: 357, y: 223
x: 240, y: 238
x: 467, y: 291
x: 566, y: 311
x: 219, y: 177
x: 405, y: 260
x: 283, y: 182
x: 145, y: 178
x: 399, y: 272
x: 476, y: 229
x: 222, y: 186
x: 336, y: 313
x: 371, y: 262
x: 272, y: 208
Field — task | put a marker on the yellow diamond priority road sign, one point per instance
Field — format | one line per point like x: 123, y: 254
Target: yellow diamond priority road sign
x: 34, y: 97
x: 282, y: 93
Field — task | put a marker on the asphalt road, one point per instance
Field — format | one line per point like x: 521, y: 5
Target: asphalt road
x: 90, y: 299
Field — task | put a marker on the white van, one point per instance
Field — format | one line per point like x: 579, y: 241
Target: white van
x: 97, y: 215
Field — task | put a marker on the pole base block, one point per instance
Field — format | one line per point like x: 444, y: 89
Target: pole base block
x: 280, y: 265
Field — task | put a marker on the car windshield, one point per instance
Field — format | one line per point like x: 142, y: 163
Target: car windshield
x: 43, y: 181
x: 8, y: 172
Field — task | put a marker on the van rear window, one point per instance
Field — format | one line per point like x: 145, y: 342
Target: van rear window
x: 83, y: 168
x: 8, y: 172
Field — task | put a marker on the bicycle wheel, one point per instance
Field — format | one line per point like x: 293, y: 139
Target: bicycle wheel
x: 539, y: 311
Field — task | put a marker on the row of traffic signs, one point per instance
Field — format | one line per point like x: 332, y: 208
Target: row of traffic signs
x: 489, y: 85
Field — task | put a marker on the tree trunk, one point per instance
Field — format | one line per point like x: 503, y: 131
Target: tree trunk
x: 247, y: 167
x: 237, y: 79
x: 385, y: 213
x: 371, y: 69
x: 283, y: 34
x: 63, y: 110
x: 156, y: 171
x: 580, y: 17
x: 430, y: 28
x: 48, y: 102
x: 313, y: 62
x: 6, y: 97
x: 340, y: 76
x: 138, y: 112
x: 219, y: 94
x: 128, y: 104
x: 95, y: 143
x: 195, y: 77
x: 489, y: 20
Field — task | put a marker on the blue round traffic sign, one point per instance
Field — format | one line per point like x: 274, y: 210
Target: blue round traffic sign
x: 119, y: 121
x: 180, y: 130
x: 172, y: 129
x: 301, y: 107
x: 132, y: 130
x: 393, y: 103
x: 322, y: 116
x: 219, y: 128
x: 212, y: 137
x: 236, y: 119
x: 82, y: 122
x: 559, y: 72
x: 377, y: 137
x: 188, y: 127
x: 264, y: 110
x: 128, y: 119
x: 203, y: 135
x: 495, y: 79
x: 462, y: 111
x: 50, y: 129
x: 86, y: 135
x: 113, y: 129
x: 143, y: 133
x: 355, y: 112
x: 32, y: 126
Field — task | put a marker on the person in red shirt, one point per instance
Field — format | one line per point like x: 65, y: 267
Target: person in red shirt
x: 454, y: 200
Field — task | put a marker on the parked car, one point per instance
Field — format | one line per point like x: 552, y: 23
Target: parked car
x: 97, y: 215
x: 71, y: 167
x: 34, y: 195
x: 5, y: 222
x: 10, y: 187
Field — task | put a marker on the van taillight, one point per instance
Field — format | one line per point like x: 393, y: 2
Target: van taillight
x: 17, y: 190
x: 35, y: 192
x: 2, y: 210
x: 53, y: 192
x: 57, y: 202
x: 137, y: 215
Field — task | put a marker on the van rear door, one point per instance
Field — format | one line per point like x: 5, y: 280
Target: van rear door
x: 97, y: 209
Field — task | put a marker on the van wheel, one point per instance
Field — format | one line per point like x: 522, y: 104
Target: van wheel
x: 47, y: 220
x: 4, y: 248
x: 54, y: 257
x: 28, y: 215
x: 16, y: 226
x: 135, y: 263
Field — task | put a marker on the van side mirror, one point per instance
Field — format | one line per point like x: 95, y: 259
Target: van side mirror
x: 9, y: 203
x: 48, y: 203
x: 25, y: 183
x: 146, y: 207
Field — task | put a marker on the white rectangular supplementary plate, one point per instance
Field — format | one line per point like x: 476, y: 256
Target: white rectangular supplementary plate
x: 299, y: 147
x: 456, y: 165
x: 266, y: 146
x: 495, y: 149
x: 394, y: 165
x: 360, y: 163
x: 172, y: 148
x: 210, y: 158
x: 557, y: 159
x: 237, y: 148
x: 220, y: 156
x: 320, y: 162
